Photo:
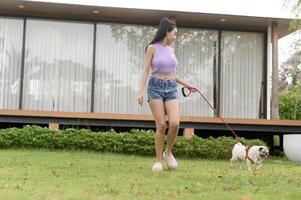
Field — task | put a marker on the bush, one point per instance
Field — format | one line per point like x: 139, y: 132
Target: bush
x: 290, y: 105
x: 137, y: 142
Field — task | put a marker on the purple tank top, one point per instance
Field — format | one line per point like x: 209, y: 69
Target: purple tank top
x: 164, y: 60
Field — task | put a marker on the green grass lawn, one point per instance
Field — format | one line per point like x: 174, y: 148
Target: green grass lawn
x: 43, y: 174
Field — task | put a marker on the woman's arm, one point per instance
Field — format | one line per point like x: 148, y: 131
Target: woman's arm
x: 147, y: 63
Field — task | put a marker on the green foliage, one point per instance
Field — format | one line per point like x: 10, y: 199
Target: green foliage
x: 290, y: 71
x: 290, y: 105
x: 137, y: 142
x: 294, y: 6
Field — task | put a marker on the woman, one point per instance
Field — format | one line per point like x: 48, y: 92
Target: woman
x: 162, y: 90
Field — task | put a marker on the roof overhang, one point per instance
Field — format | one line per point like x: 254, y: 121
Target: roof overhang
x: 140, y: 16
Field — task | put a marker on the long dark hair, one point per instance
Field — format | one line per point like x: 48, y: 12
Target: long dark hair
x: 165, y: 26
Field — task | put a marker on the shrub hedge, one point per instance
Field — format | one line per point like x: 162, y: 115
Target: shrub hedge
x: 137, y: 142
x: 290, y: 105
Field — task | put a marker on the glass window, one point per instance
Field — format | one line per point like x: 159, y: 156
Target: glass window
x: 119, y: 63
x: 120, y: 51
x: 11, y: 36
x: 241, y: 74
x: 196, y: 51
x: 58, y: 66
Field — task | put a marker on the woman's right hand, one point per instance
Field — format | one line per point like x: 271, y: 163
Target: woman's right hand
x: 193, y: 89
x: 141, y: 98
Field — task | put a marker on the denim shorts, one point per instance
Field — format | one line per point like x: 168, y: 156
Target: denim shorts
x: 162, y: 89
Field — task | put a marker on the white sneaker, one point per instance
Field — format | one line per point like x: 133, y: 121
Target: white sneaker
x: 157, y: 167
x: 170, y: 159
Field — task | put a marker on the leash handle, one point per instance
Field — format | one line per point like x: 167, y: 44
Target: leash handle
x: 187, y: 91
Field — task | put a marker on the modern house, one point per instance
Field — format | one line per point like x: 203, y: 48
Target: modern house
x: 79, y: 64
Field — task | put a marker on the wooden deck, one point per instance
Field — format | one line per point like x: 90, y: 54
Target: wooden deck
x: 146, y: 121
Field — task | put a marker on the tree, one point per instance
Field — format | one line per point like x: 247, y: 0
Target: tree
x: 294, y: 6
x: 290, y: 71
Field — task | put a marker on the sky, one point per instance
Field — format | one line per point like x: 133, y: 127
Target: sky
x: 285, y: 49
x: 259, y: 8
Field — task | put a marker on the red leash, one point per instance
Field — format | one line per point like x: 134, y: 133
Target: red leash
x: 185, y: 94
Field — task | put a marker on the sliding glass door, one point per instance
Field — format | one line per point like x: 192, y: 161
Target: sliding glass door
x: 196, y: 51
x: 241, y: 74
x: 58, y: 66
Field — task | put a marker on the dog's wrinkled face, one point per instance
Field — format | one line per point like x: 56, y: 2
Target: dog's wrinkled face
x: 263, y: 152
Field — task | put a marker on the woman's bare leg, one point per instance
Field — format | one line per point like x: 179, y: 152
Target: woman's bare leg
x: 158, y: 111
x: 172, y: 111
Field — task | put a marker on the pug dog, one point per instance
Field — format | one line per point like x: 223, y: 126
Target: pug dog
x: 252, y: 155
